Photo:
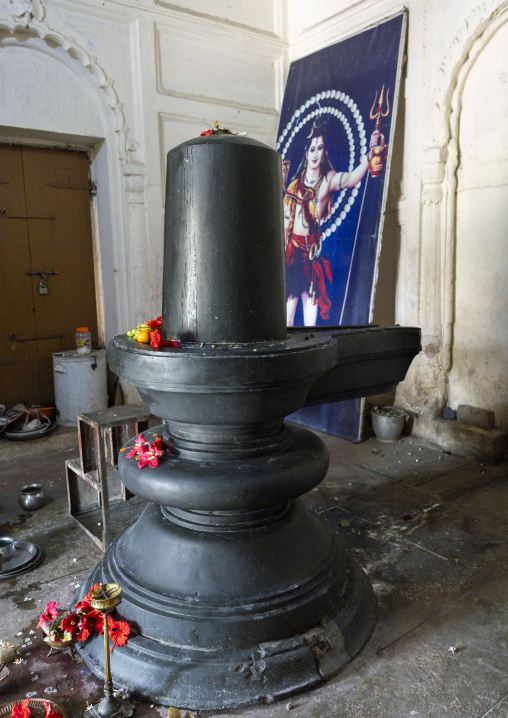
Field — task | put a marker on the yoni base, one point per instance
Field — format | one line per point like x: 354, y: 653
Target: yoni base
x: 269, y: 634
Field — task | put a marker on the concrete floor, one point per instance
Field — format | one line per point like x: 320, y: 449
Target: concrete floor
x: 430, y: 529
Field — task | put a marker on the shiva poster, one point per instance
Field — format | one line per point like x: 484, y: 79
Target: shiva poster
x: 335, y: 138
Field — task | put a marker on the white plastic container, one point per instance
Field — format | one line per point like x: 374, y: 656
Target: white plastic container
x: 80, y: 384
x: 83, y: 340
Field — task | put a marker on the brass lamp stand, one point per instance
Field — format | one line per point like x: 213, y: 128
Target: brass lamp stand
x: 105, y: 598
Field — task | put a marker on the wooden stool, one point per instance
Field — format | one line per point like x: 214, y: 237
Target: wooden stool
x: 93, y: 482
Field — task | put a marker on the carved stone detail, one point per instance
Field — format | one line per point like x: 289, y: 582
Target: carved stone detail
x: 24, y: 18
x: 486, y: 15
x: 26, y: 11
x: 439, y: 205
x: 431, y: 194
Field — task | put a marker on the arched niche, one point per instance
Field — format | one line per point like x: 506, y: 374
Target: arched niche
x: 444, y: 316
x: 479, y: 353
x: 52, y: 94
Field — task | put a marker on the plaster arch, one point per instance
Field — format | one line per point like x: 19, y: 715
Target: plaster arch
x: 439, y: 201
x: 83, y: 112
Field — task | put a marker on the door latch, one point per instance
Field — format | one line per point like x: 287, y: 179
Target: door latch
x: 43, y: 287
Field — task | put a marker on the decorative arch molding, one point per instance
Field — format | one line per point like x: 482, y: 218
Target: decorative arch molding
x: 439, y: 192
x: 120, y: 218
x: 474, y: 33
x: 25, y: 24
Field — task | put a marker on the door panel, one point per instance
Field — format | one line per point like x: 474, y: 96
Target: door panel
x: 18, y: 361
x: 19, y: 367
x: 50, y: 190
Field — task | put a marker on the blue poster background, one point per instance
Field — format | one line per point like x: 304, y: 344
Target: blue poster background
x: 339, y: 87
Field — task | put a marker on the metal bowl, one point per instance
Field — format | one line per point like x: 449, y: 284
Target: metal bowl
x: 105, y: 597
x: 31, y: 497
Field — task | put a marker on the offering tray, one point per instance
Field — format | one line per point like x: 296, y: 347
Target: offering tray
x: 26, y: 556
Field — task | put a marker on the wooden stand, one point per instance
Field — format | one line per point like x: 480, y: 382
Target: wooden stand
x: 92, y: 481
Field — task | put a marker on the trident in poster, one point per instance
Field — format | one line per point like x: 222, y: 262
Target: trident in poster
x: 377, y: 162
x: 377, y: 165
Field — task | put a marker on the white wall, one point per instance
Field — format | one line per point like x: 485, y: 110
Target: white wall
x: 479, y: 372
x: 444, y: 243
x: 129, y: 79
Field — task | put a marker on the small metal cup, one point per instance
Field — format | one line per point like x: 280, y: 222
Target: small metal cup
x: 31, y: 497
x: 6, y: 549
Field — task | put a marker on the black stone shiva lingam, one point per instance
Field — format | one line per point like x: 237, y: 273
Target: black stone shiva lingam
x: 238, y: 593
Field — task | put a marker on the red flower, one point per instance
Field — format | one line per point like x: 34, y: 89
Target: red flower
x: 157, y: 341
x: 151, y: 455
x: 206, y: 132
x: 139, y: 446
x: 49, y: 613
x: 91, y: 621
x: 84, y: 605
x: 154, y: 323
x: 118, y: 631
x: 21, y: 710
x: 69, y: 624
x: 50, y: 713
x: 146, y: 454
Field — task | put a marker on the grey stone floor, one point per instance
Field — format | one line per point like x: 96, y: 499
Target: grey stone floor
x: 430, y: 530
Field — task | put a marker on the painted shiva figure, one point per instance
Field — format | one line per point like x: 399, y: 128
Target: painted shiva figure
x: 308, y: 200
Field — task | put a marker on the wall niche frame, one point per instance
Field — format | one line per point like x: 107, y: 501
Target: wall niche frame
x: 110, y: 153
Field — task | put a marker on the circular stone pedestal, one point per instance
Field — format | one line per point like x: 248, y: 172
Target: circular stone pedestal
x: 233, y: 607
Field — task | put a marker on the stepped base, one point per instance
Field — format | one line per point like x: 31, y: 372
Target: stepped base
x: 270, y: 633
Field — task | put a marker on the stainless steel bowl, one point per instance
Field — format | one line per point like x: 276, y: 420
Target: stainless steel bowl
x: 6, y: 547
x: 31, y: 497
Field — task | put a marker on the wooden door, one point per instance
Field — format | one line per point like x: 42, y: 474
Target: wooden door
x: 45, y: 226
